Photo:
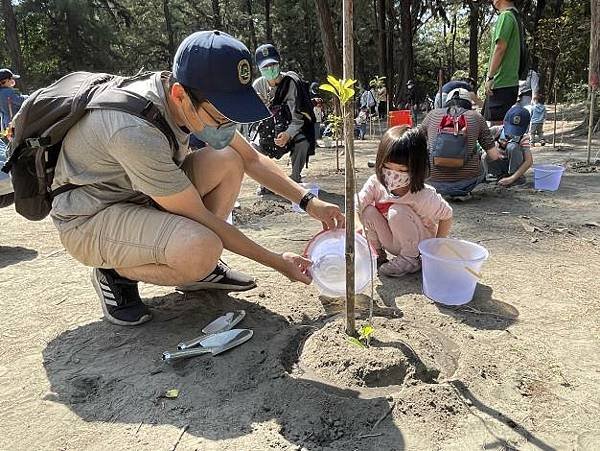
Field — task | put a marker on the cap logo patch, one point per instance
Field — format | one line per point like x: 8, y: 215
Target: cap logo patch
x: 516, y: 120
x: 265, y: 51
x: 244, y: 72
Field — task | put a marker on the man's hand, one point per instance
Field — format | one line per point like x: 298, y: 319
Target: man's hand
x: 295, y: 268
x: 489, y: 85
x: 282, y: 139
x: 330, y: 215
x: 494, y: 154
x: 506, y: 181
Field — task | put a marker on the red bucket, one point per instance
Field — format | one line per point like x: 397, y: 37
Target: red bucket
x: 401, y: 117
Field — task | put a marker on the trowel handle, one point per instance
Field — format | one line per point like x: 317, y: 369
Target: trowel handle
x: 191, y: 343
x: 169, y: 356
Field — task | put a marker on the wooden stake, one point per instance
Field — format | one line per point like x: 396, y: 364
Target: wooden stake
x: 555, y: 114
x: 591, y: 125
x: 348, y: 110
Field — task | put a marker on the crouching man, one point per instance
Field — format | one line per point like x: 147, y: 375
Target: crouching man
x: 144, y: 212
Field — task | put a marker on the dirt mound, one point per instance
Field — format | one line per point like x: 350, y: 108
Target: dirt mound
x: 583, y: 167
x: 261, y: 208
x: 388, y: 362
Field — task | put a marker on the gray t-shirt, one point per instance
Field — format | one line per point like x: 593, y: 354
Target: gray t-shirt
x: 118, y: 157
x: 267, y: 93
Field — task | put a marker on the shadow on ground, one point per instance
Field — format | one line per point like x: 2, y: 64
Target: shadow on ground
x: 483, y: 312
x: 106, y: 373
x: 9, y: 255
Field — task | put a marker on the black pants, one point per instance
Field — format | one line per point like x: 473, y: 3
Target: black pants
x: 497, y: 105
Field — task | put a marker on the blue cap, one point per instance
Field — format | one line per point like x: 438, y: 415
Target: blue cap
x: 5, y: 74
x: 218, y: 65
x: 516, y: 121
x: 266, y: 54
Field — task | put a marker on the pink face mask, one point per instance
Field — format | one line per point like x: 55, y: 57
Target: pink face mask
x: 395, y: 179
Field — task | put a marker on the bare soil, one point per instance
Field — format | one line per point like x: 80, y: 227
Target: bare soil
x: 516, y: 368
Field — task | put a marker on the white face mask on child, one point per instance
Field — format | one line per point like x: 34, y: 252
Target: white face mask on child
x: 395, y: 179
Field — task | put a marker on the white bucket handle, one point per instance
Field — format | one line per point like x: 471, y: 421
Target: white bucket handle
x: 470, y: 270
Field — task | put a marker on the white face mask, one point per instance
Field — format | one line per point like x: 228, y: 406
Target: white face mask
x: 395, y: 179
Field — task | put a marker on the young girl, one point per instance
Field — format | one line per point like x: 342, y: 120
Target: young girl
x: 396, y: 207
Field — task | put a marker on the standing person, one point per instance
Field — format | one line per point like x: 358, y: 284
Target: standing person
x: 10, y: 99
x: 144, y: 210
x: 318, y: 110
x: 538, y: 116
x: 456, y: 167
x: 382, y: 101
x: 513, y: 142
x: 361, y: 123
x: 367, y: 99
x: 281, y: 90
x: 396, y: 207
x: 528, y: 88
x: 502, y: 84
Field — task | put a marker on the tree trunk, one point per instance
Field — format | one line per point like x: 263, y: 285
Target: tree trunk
x: 268, y: 24
x: 391, y: 70
x: 381, y: 41
x: 217, y: 24
x: 332, y: 52
x: 453, y: 46
x: 406, y: 30
x: 12, y: 38
x: 474, y: 40
x: 169, y: 26
x: 251, y: 24
x: 594, y: 74
x: 311, y: 40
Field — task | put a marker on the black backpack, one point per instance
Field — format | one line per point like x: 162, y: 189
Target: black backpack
x: 281, y: 117
x: 45, y: 118
x: 524, y: 57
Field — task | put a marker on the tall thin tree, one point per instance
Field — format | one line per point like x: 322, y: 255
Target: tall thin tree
x: 12, y: 37
x: 332, y: 52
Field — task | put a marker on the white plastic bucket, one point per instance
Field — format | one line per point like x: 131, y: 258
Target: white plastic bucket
x: 313, y: 188
x: 450, y: 269
x: 327, y: 252
x: 547, y: 177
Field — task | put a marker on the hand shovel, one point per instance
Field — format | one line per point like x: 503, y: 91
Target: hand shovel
x: 212, y: 344
x: 221, y: 324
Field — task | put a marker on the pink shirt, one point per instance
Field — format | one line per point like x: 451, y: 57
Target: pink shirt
x: 427, y: 203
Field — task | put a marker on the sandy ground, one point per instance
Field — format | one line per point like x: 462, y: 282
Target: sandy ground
x: 517, y: 368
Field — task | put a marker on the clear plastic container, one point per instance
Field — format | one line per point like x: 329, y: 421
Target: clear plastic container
x: 327, y: 252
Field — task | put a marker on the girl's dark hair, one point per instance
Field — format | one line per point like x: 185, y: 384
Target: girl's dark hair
x: 407, y: 146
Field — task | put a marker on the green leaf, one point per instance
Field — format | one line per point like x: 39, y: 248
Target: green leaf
x: 334, y: 82
x: 172, y: 393
x: 366, y: 331
x: 348, y: 83
x: 356, y: 342
x: 328, y: 88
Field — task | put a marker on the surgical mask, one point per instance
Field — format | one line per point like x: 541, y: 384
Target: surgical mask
x: 270, y: 72
x: 395, y: 179
x: 217, y: 138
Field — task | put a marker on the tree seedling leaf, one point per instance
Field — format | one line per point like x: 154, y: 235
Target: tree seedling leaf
x: 328, y: 88
x: 356, y: 342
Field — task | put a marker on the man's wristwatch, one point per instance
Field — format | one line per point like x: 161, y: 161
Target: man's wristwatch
x: 305, y: 200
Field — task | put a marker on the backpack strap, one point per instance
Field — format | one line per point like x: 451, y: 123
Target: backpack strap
x: 129, y: 102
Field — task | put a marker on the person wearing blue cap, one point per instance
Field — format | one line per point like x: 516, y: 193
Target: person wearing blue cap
x: 280, y: 91
x: 145, y: 210
x: 513, y: 143
x: 10, y: 99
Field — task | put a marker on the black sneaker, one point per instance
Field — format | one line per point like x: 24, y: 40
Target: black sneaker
x: 119, y: 297
x: 222, y: 278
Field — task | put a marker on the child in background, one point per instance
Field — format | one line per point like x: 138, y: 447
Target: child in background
x: 396, y: 207
x: 538, y: 116
x: 361, y: 122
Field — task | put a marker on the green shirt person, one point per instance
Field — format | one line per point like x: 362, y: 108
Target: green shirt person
x: 502, y: 85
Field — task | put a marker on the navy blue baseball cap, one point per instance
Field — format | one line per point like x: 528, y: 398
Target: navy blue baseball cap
x: 5, y: 74
x: 516, y: 121
x: 266, y: 54
x: 218, y: 66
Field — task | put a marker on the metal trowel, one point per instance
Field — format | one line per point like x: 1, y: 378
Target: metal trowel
x: 212, y: 344
x: 221, y: 324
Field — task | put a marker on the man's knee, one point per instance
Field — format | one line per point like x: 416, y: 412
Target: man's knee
x: 194, y: 251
